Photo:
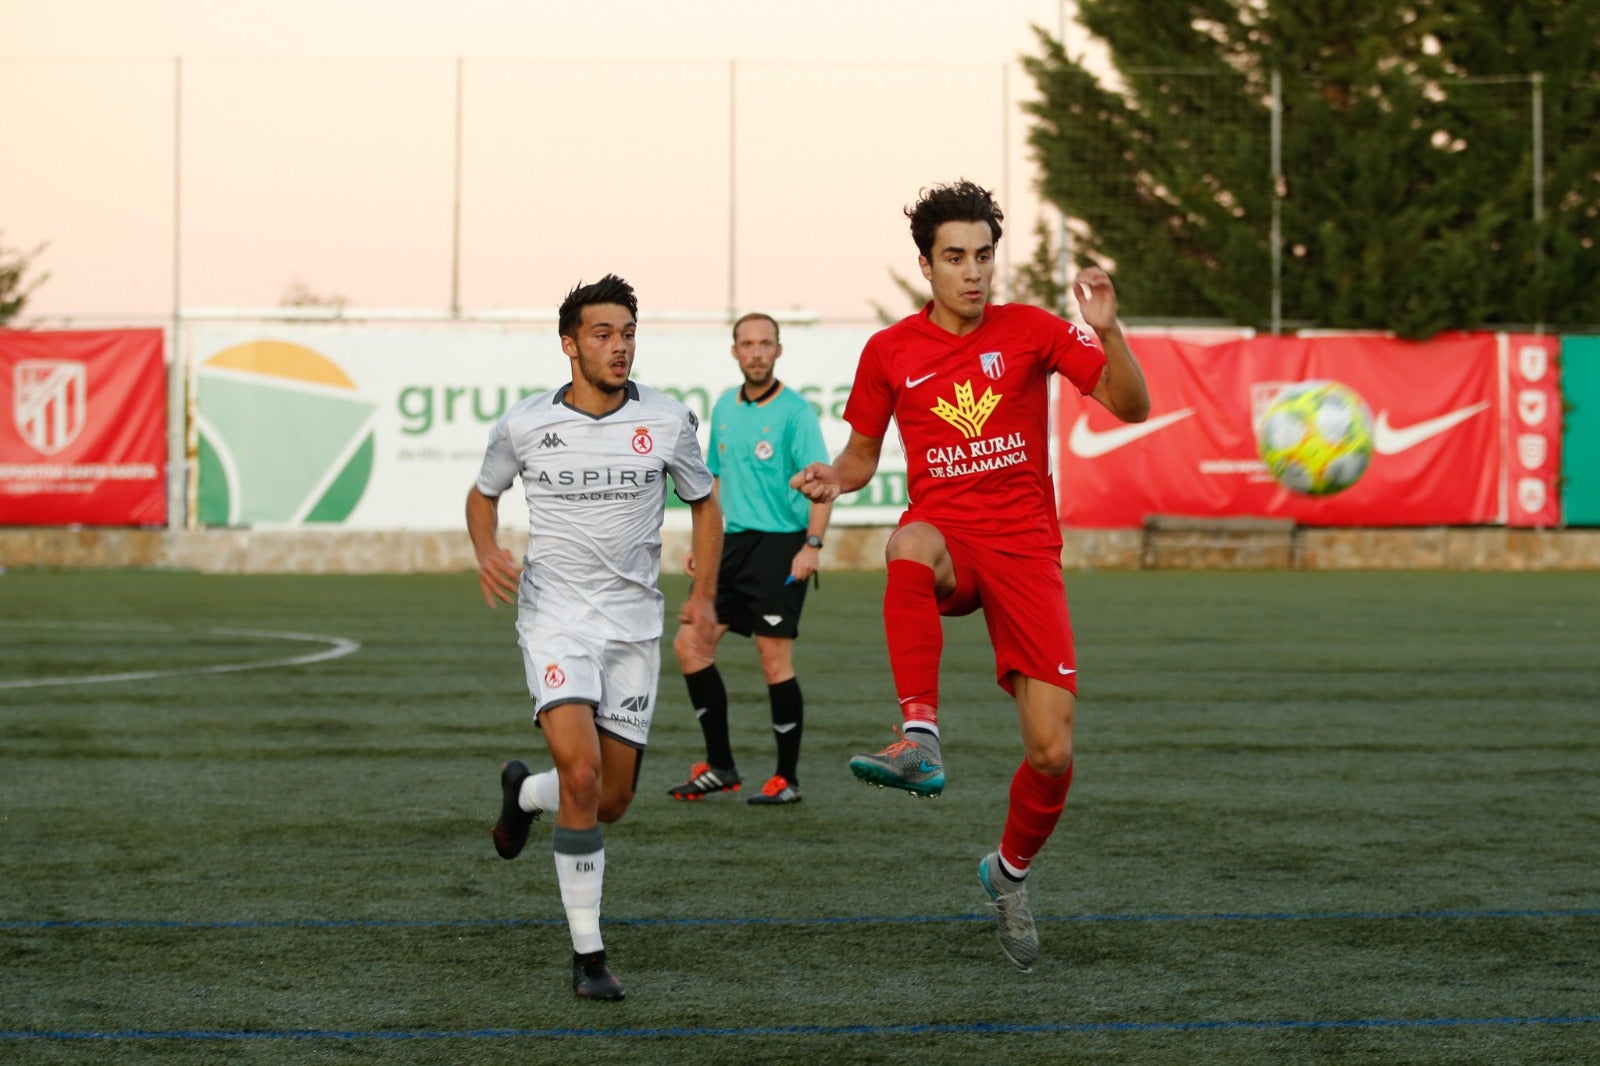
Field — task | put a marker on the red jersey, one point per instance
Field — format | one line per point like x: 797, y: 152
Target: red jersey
x: 974, y: 415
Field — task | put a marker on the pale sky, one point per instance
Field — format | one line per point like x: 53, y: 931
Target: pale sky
x: 214, y: 152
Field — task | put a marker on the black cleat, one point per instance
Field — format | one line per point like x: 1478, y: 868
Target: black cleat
x: 511, y: 831
x: 591, y: 979
x: 703, y: 781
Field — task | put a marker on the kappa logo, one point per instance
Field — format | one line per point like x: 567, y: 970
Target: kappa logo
x: 49, y: 403
x: 1392, y: 440
x: 551, y: 440
x: 966, y: 414
x: 1088, y: 443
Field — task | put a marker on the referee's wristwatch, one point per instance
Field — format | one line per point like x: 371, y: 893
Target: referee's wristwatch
x: 813, y: 541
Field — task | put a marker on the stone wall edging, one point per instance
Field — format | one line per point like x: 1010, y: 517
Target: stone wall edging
x: 244, y: 551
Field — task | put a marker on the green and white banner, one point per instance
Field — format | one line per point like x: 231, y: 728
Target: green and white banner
x: 383, y: 427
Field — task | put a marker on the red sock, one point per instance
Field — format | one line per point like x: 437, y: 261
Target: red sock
x: 915, y: 636
x: 1036, y: 803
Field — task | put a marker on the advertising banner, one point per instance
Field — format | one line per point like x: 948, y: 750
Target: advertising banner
x: 1437, y: 431
x: 83, y: 434
x: 384, y: 427
x: 1531, y: 415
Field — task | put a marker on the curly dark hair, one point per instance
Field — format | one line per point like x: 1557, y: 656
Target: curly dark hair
x: 963, y: 201
x: 608, y: 290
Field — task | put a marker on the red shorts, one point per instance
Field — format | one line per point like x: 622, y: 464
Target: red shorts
x: 1024, y: 604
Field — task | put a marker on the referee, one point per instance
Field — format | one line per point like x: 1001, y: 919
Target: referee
x: 762, y: 434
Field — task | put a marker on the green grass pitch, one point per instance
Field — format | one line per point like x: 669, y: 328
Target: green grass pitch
x: 1317, y: 817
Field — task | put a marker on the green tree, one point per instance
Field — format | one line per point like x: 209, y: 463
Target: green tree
x: 15, y: 284
x: 1039, y: 281
x: 1407, y: 198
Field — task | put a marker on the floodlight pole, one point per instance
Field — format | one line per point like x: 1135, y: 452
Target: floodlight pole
x: 455, y: 216
x: 1065, y: 251
x: 733, y: 188
x: 1278, y: 192
x: 178, y: 511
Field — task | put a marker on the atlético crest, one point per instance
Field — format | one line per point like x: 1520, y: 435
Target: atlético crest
x: 993, y: 363
x: 49, y: 403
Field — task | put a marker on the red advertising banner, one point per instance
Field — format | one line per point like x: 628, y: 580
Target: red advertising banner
x: 1532, y: 425
x: 83, y: 428
x: 1437, y: 432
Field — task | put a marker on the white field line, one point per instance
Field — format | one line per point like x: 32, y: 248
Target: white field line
x: 337, y: 647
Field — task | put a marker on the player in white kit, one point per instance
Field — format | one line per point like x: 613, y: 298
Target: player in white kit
x: 593, y: 457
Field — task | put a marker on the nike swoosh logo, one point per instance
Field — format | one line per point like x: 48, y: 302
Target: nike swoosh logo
x: 787, y: 727
x: 1063, y: 670
x: 1392, y: 440
x: 913, y: 384
x: 1089, y: 443
x: 926, y: 767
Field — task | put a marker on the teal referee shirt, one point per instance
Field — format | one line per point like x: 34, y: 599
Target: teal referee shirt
x: 755, y: 449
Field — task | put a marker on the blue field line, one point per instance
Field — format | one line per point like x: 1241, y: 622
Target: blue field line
x: 952, y: 1029
x: 460, y: 923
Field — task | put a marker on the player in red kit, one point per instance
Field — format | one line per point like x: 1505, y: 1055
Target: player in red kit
x: 968, y: 384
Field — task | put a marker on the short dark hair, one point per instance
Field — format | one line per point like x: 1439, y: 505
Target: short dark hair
x: 608, y: 290
x: 752, y: 316
x: 963, y: 201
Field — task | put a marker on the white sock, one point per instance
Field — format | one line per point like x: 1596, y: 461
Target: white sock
x: 580, y: 870
x: 540, y: 792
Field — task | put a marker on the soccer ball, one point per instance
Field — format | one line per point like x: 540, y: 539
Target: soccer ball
x: 1316, y: 437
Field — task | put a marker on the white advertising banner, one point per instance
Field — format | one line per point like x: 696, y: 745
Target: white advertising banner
x: 383, y: 427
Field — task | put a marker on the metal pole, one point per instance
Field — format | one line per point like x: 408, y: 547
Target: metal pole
x: 1005, y: 170
x: 177, y: 371
x: 1278, y: 192
x: 733, y: 188
x: 1065, y: 251
x: 455, y: 216
x: 1538, y: 194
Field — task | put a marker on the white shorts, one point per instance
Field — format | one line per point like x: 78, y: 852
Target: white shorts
x: 617, y: 678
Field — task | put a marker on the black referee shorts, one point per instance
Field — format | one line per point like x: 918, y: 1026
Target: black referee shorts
x: 754, y: 594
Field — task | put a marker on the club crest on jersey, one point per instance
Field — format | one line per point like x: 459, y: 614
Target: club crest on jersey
x: 966, y: 414
x: 994, y: 365
x: 554, y: 676
x: 641, y: 440
x: 763, y: 449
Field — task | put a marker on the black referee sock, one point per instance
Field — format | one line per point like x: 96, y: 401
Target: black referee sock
x: 788, y: 722
x: 709, y: 698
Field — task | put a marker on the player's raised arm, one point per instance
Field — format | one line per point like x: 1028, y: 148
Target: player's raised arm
x: 1122, y: 389
x: 854, y: 467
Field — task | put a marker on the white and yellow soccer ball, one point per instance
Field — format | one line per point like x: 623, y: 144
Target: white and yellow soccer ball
x: 1316, y: 437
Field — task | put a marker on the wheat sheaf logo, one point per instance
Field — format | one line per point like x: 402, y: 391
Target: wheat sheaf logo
x: 966, y: 414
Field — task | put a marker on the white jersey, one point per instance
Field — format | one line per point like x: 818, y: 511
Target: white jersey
x: 596, y: 495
